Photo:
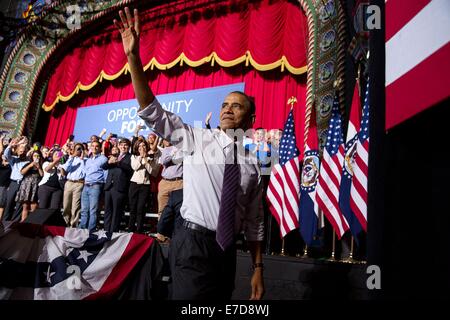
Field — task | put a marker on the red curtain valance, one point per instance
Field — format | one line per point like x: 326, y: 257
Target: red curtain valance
x: 265, y: 34
x: 271, y: 91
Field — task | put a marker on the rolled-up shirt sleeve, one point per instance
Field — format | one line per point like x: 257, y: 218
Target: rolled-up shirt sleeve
x: 166, y: 157
x: 254, y: 215
x: 8, y: 155
x: 67, y: 164
x: 169, y: 126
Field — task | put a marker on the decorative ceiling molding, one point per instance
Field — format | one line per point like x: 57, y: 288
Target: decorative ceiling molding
x: 326, y: 62
x: 33, y: 50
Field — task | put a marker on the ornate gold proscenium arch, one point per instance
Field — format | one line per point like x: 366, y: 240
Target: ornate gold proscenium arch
x: 21, y: 94
x: 326, y: 61
x: 18, y: 82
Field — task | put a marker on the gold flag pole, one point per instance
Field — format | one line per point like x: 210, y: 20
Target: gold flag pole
x: 350, y: 256
x: 282, y: 248
x: 292, y: 100
x: 357, y: 79
x: 336, y: 85
x: 333, y: 249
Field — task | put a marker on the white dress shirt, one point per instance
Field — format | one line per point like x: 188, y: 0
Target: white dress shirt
x: 205, y: 152
x: 171, y: 170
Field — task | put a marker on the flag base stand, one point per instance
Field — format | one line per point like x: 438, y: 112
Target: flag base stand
x: 349, y: 260
x: 302, y: 256
x: 332, y: 258
x: 305, y: 253
x: 359, y: 262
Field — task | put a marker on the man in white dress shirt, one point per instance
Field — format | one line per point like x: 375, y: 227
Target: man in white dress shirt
x: 203, y: 268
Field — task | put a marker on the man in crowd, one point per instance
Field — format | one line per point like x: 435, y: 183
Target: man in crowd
x: 75, y: 173
x: 17, y: 162
x: 5, y: 174
x: 117, y: 185
x: 274, y: 140
x: 220, y: 197
x: 172, y: 175
x: 93, y: 187
x: 261, y: 148
x: 170, y: 219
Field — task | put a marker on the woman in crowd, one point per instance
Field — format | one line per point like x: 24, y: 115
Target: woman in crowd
x: 114, y: 151
x: 28, y: 190
x: 143, y: 166
x: 45, y: 153
x: 5, y: 173
x: 50, y: 191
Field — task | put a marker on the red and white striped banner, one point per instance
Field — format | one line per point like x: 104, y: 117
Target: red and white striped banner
x: 417, y: 57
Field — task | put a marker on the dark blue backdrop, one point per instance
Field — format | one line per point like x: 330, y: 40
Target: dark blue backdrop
x: 121, y: 117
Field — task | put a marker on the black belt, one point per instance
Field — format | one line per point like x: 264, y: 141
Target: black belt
x: 174, y: 179
x: 76, y: 181
x: 197, y: 227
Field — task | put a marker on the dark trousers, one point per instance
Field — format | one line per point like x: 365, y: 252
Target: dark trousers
x: 114, y: 209
x: 138, y: 197
x: 200, y: 269
x: 50, y: 197
x: 11, y: 212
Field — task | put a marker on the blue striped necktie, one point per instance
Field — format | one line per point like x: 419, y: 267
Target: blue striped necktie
x: 225, y: 224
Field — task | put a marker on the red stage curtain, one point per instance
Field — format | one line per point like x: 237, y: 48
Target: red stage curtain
x: 271, y: 90
x: 265, y: 34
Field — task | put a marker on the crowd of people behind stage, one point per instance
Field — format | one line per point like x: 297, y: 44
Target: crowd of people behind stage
x: 114, y: 174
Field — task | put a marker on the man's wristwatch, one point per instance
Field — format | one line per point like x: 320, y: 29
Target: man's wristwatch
x: 258, y: 265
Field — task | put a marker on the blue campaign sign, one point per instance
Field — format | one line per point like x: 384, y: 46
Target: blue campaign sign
x: 121, y: 117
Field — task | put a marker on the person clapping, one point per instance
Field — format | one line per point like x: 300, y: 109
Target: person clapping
x: 143, y: 166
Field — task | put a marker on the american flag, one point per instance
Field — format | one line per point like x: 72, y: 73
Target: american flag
x: 327, y: 195
x: 417, y: 56
x: 359, y: 44
x: 53, y: 263
x: 358, y: 191
x: 283, y: 192
x: 349, y: 163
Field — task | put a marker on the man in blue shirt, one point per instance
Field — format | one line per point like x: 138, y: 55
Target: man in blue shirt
x: 93, y: 187
x: 74, y: 172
